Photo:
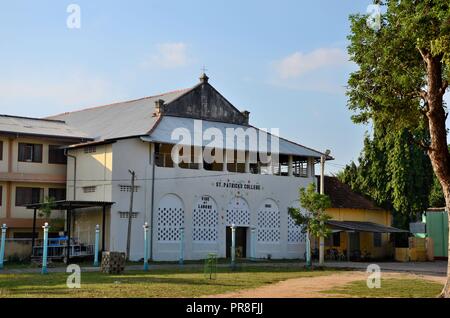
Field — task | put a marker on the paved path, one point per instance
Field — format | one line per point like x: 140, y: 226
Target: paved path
x: 437, y: 268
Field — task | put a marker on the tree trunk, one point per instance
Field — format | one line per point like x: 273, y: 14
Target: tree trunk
x: 438, y: 150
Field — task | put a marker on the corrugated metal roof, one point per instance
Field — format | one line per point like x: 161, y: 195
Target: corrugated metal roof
x: 168, y: 124
x: 36, y: 126
x: 125, y: 119
x: 358, y: 226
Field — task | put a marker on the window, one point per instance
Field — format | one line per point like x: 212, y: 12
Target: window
x: 90, y: 149
x: 127, y: 188
x: 377, y: 239
x: 1, y: 195
x: 337, y: 239
x: 56, y: 155
x: 89, y: 189
x: 26, y: 196
x: 57, y: 194
x: 30, y: 152
x: 124, y: 215
x: 1, y: 150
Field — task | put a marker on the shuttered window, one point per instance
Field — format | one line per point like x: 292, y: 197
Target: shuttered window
x: 26, y: 196
x: 56, y: 155
x: 30, y: 152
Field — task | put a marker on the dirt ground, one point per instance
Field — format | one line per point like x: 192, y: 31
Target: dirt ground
x: 311, y: 287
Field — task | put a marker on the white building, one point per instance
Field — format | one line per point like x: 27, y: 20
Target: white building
x: 203, y: 198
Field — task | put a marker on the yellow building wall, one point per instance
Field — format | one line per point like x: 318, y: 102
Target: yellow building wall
x: 14, y: 173
x: 366, y: 239
x: 93, y: 169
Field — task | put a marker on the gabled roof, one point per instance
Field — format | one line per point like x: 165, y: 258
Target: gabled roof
x: 342, y: 196
x: 119, y: 120
x: 16, y: 125
x: 137, y: 118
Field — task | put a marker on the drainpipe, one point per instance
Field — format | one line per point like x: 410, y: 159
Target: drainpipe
x: 153, y: 199
x: 74, y: 173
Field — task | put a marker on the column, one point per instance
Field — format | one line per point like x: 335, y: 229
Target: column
x: 199, y: 157
x: 96, y: 246
x: 233, y: 245
x: 290, y: 162
x: 176, y: 156
x: 225, y: 161
x: 2, y: 245
x: 247, y: 162
x: 145, y: 246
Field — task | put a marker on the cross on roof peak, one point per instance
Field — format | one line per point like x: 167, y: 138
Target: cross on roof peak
x: 204, y: 78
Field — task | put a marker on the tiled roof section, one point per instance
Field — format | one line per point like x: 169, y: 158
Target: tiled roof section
x: 39, y: 127
x: 125, y: 119
x: 342, y: 196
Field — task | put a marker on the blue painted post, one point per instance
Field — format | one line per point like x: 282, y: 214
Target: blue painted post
x: 97, y: 240
x: 233, y: 245
x: 308, y: 251
x: 44, y: 251
x: 253, y: 242
x: 145, y: 246
x: 2, y: 246
x: 181, y: 261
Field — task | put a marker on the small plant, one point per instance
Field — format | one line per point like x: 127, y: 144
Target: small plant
x: 47, y: 207
x: 314, y: 221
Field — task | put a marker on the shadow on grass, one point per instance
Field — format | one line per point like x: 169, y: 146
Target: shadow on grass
x: 183, y: 281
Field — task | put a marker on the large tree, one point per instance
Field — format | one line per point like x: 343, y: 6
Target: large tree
x: 394, y: 172
x: 403, y: 76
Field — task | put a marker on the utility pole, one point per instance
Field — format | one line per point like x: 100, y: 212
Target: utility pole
x: 322, y: 191
x: 130, y: 213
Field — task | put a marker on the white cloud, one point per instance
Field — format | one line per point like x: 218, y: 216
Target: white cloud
x: 168, y: 55
x: 299, y: 64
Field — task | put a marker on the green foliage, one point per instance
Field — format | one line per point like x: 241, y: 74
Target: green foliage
x: 393, y: 171
x: 389, y: 89
x: 314, y: 221
x: 387, y: 86
x: 436, y: 198
x: 47, y: 207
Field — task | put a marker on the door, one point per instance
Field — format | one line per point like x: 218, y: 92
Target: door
x: 354, y: 245
x: 241, y: 242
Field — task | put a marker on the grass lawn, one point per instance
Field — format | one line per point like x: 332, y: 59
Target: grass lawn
x: 394, y: 287
x: 155, y: 283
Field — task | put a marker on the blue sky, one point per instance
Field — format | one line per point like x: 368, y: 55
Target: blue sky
x: 284, y: 61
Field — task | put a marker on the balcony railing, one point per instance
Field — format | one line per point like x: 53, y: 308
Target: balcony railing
x: 299, y: 168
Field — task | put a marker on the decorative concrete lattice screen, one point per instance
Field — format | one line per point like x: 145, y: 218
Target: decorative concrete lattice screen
x: 295, y: 234
x: 269, y: 222
x: 170, y: 218
x: 238, y: 212
x: 205, y: 220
